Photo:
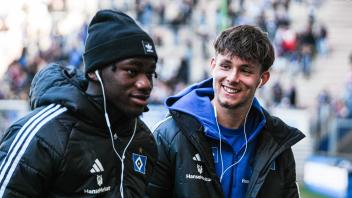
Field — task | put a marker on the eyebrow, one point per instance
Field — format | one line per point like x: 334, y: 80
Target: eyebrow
x: 242, y: 65
x: 247, y: 65
x: 225, y: 61
x: 134, y: 62
x: 139, y: 63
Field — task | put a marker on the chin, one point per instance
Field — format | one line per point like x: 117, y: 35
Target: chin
x: 229, y: 105
x: 134, y: 112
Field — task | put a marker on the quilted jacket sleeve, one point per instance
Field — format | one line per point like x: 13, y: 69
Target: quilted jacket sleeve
x: 25, y: 165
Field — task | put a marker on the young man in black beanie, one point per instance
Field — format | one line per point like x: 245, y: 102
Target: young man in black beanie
x: 83, y: 137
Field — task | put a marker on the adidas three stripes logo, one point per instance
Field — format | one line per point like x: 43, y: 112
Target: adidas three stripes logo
x: 97, y: 167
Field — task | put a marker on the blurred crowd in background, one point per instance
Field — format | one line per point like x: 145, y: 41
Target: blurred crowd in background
x: 37, y: 32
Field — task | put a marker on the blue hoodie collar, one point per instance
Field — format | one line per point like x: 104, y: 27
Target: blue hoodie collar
x: 196, y: 101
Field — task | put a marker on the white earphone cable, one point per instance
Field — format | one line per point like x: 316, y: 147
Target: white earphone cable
x: 220, y: 149
x: 220, y: 135
x: 111, y: 136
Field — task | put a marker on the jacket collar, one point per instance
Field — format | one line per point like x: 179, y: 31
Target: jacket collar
x: 275, y: 138
x: 193, y: 130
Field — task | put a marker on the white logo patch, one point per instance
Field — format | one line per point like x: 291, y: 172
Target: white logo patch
x: 99, y: 180
x: 197, y: 158
x: 97, y: 167
x: 139, y: 163
x: 200, y: 169
x: 148, y: 48
x: 245, y: 181
x: 198, y: 176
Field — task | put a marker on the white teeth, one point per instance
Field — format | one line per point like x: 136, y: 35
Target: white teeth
x: 229, y: 90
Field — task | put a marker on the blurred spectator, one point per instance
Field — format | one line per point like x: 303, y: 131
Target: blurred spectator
x: 307, y: 49
x: 182, y: 75
x: 322, y: 40
x: 348, y: 90
x: 340, y: 108
x: 144, y: 11
x: 292, y: 95
x: 323, y: 109
x: 286, y: 44
x: 203, y: 33
x: 277, y: 93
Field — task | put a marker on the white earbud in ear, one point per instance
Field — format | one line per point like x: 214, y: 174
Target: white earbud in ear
x: 260, y: 83
x: 98, y: 76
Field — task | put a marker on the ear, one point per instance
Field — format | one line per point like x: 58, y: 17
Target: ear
x: 212, y: 65
x: 260, y: 82
x: 264, y: 78
x: 92, y: 76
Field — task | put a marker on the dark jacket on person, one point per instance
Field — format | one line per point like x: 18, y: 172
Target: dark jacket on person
x: 185, y: 166
x: 63, y: 148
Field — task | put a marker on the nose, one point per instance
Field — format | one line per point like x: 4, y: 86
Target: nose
x: 143, y: 82
x: 233, y: 76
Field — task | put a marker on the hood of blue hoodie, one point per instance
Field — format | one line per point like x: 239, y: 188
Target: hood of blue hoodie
x: 196, y: 101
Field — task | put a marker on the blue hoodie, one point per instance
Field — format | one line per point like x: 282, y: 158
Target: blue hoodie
x: 196, y: 101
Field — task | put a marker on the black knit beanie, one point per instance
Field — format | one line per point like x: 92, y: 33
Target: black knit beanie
x: 114, y: 36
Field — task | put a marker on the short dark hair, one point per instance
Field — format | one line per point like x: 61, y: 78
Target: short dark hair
x: 247, y: 42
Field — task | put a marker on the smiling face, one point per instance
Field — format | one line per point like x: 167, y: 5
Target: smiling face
x: 128, y: 84
x: 235, y: 81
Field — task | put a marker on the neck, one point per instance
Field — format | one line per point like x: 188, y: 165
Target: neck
x: 231, y: 118
x: 93, y: 89
x: 124, y: 128
x: 118, y: 119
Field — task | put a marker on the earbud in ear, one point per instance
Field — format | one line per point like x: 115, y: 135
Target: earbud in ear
x: 213, y: 84
x: 97, y: 75
x: 260, y: 83
x: 94, y: 76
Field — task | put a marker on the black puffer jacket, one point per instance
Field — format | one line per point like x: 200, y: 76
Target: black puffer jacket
x: 63, y: 148
x: 178, y: 174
